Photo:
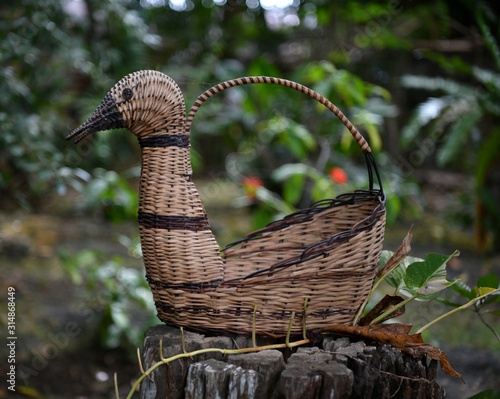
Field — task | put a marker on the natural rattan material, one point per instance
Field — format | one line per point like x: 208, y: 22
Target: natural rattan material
x: 326, y: 254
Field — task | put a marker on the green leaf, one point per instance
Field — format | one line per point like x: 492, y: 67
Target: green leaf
x: 488, y: 78
x: 288, y: 170
x: 485, y: 290
x: 429, y: 277
x: 449, y: 303
x: 393, y: 206
x: 373, y: 136
x: 397, y: 276
x: 487, y: 154
x: 323, y: 188
x: 493, y: 312
x: 457, y: 137
x: 385, y: 255
x: 292, y: 189
x: 298, y: 139
x: 451, y: 65
x: 447, y: 86
x: 489, y: 281
x: 274, y: 201
x: 425, y: 113
x: 314, y: 72
x: 488, y: 37
x: 464, y: 290
x: 262, y: 216
x: 488, y: 394
x: 493, y: 298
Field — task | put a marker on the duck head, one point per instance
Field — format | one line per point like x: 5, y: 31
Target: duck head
x: 144, y: 102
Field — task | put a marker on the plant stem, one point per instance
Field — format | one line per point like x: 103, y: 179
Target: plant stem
x: 115, y: 378
x: 470, y: 303
x: 487, y: 325
x: 365, y: 302
x: 394, y: 308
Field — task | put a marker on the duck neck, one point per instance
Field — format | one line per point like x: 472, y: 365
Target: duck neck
x: 178, y: 245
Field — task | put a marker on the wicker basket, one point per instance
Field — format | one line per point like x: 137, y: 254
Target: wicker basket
x: 318, y: 263
x: 326, y: 255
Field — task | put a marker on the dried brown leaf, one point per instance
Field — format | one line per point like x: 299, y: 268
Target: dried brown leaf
x: 417, y: 350
x: 402, y: 252
x: 398, y: 336
x: 384, y: 305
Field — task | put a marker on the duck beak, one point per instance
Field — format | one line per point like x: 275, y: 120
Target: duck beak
x: 105, y: 117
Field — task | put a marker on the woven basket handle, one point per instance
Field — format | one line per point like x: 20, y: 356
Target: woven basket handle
x: 363, y: 144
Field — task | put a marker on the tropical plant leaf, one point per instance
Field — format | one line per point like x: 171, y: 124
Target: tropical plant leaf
x: 397, y: 276
x: 449, y: 64
x: 463, y: 289
x: 493, y: 298
x: 490, y: 280
x: 292, y: 188
x: 487, y: 154
x: 488, y: 36
x: 488, y: 78
x: 274, y: 201
x: 286, y: 171
x: 449, y: 303
x: 488, y: 394
x: 485, y: 290
x: 457, y: 137
x: 429, y: 277
x: 447, y: 86
x: 425, y: 113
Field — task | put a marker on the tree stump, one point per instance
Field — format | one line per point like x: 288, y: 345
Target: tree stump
x: 337, y: 368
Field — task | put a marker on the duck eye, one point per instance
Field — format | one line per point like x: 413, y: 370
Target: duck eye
x: 127, y: 93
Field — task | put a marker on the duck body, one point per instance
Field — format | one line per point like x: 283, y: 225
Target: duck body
x: 290, y: 267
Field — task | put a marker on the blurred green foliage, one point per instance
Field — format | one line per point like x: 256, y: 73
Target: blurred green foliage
x: 115, y: 291
x: 459, y: 123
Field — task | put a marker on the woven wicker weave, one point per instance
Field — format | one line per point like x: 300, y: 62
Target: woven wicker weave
x: 326, y: 255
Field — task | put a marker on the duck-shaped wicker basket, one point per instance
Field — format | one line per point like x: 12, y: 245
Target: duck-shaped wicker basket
x: 318, y: 263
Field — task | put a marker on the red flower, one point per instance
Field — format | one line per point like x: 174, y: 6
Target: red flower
x: 338, y: 175
x: 251, y: 185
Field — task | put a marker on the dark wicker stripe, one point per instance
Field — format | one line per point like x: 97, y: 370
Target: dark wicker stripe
x: 165, y: 140
x: 208, y: 285
x: 168, y: 308
x: 154, y: 221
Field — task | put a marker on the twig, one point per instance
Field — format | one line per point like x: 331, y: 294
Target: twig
x: 487, y: 325
x: 400, y: 255
x: 470, y: 303
x: 304, y: 329
x: 287, y: 339
x: 365, y: 302
x: 182, y: 340
x: 254, y: 327
x: 140, y: 364
x: 161, y: 351
x: 209, y: 350
x: 116, y: 386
